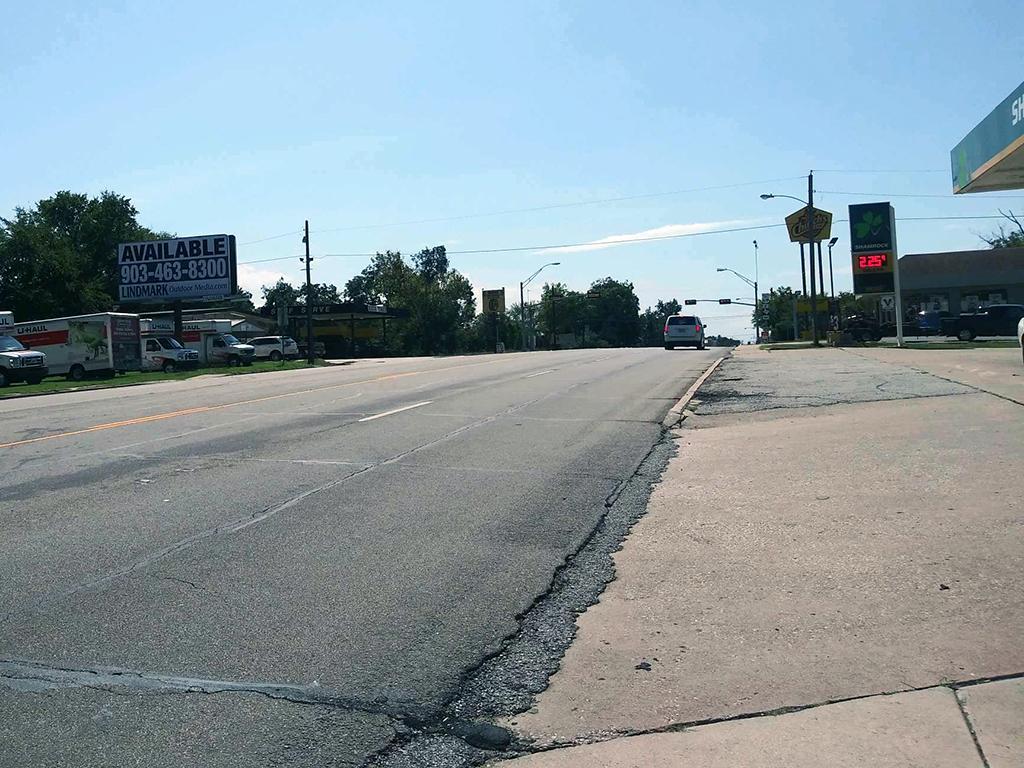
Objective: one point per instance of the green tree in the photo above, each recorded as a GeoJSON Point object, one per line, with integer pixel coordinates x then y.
{"type": "Point", "coordinates": [775, 315]}
{"type": "Point", "coordinates": [439, 300]}
{"type": "Point", "coordinates": [60, 257]}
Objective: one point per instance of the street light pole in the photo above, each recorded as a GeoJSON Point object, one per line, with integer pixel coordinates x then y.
{"type": "Point", "coordinates": [522, 301]}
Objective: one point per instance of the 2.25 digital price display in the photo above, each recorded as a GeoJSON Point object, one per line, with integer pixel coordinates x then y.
{"type": "Point", "coordinates": [872, 262]}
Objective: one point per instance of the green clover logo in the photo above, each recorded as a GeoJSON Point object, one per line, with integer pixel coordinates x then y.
{"type": "Point", "coordinates": [871, 223]}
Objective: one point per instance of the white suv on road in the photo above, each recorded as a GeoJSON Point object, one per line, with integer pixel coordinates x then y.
{"type": "Point", "coordinates": [684, 331]}
{"type": "Point", "coordinates": [275, 347]}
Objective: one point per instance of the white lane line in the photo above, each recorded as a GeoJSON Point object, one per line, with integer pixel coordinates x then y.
{"type": "Point", "coordinates": [530, 376]}
{"type": "Point", "coordinates": [396, 410]}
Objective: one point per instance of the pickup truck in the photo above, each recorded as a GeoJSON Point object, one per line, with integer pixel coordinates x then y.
{"type": "Point", "coordinates": [994, 320]}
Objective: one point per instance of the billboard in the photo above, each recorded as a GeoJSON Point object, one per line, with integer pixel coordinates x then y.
{"type": "Point", "coordinates": [181, 268]}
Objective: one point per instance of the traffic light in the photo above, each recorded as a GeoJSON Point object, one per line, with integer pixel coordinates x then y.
{"type": "Point", "coordinates": [725, 301]}
{"type": "Point", "coordinates": [689, 302]}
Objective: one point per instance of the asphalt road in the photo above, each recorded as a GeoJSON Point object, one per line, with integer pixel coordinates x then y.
{"type": "Point", "coordinates": [294, 568]}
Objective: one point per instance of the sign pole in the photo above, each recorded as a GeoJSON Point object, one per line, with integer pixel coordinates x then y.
{"type": "Point", "coordinates": [810, 242]}
{"type": "Point", "coordinates": [179, 330]}
{"type": "Point", "coordinates": [896, 278]}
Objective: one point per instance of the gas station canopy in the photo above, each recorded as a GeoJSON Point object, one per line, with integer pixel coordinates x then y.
{"type": "Point", "coordinates": [991, 156]}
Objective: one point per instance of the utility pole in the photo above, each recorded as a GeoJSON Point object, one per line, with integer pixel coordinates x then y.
{"type": "Point", "coordinates": [757, 300]}
{"type": "Point", "coordinates": [310, 354]}
{"type": "Point", "coordinates": [810, 241]}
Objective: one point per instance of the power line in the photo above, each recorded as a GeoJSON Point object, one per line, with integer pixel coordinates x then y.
{"type": "Point", "coordinates": [273, 237]}
{"type": "Point", "coordinates": [904, 194]}
{"type": "Point", "coordinates": [920, 170]}
{"type": "Point", "coordinates": [556, 206]}
{"type": "Point", "coordinates": [624, 241]}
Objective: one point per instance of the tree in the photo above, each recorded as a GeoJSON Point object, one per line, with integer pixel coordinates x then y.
{"type": "Point", "coordinates": [439, 300]}
{"type": "Point", "coordinates": [1003, 239]}
{"type": "Point", "coordinates": [775, 314]}
{"type": "Point", "coordinates": [60, 257]}
{"type": "Point", "coordinates": [281, 294]}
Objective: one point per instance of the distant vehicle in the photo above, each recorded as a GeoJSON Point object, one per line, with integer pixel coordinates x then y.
{"type": "Point", "coordinates": [684, 331]}
{"type": "Point", "coordinates": [16, 362]}
{"type": "Point", "coordinates": [1020, 336]}
{"type": "Point", "coordinates": [165, 353]}
{"type": "Point", "coordinates": [929, 322]}
{"type": "Point", "coordinates": [275, 348]}
{"type": "Point", "coordinates": [994, 320]}
{"type": "Point", "coordinates": [319, 349]}
{"type": "Point", "coordinates": [105, 342]}
{"type": "Point", "coordinates": [862, 328]}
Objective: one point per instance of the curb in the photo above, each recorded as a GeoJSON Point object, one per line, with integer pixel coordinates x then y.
{"type": "Point", "coordinates": [676, 413]}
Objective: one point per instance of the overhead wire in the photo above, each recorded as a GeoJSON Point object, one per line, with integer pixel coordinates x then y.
{"type": "Point", "coordinates": [558, 206]}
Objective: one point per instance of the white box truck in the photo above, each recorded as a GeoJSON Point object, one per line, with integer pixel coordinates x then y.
{"type": "Point", "coordinates": [212, 339]}
{"type": "Point", "coordinates": [105, 342]}
{"type": "Point", "coordinates": [16, 362]}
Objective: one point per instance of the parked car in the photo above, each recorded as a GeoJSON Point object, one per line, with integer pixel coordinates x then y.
{"type": "Point", "coordinates": [929, 322]}
{"type": "Point", "coordinates": [275, 348]}
{"type": "Point", "coordinates": [1020, 336]}
{"type": "Point", "coordinates": [319, 349]}
{"type": "Point", "coordinates": [994, 320]}
{"type": "Point", "coordinates": [684, 331]}
{"type": "Point", "coordinates": [862, 328]}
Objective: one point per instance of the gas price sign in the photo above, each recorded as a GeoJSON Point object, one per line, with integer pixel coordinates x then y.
{"type": "Point", "coordinates": [873, 248]}
{"type": "Point", "coordinates": [182, 268]}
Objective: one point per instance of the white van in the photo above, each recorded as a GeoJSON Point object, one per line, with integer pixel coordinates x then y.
{"type": "Point", "coordinates": [16, 362]}
{"type": "Point", "coordinates": [105, 342]}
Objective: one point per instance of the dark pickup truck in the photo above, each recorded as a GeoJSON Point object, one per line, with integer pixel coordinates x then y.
{"type": "Point", "coordinates": [995, 320]}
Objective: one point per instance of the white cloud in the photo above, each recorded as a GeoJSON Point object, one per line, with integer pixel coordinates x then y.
{"type": "Point", "coordinates": [253, 279]}
{"type": "Point", "coordinates": [669, 230]}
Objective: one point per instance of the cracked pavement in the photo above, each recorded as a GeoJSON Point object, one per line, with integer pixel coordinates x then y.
{"type": "Point", "coordinates": [272, 581]}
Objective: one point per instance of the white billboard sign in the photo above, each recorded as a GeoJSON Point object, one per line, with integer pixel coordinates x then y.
{"type": "Point", "coordinates": [181, 268]}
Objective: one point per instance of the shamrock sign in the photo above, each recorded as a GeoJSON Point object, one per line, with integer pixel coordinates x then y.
{"type": "Point", "coordinates": [869, 226]}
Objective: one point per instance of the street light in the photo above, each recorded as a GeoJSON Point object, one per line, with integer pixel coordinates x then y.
{"type": "Point", "coordinates": [745, 279]}
{"type": "Point", "coordinates": [522, 302]}
{"type": "Point", "coordinates": [831, 282]}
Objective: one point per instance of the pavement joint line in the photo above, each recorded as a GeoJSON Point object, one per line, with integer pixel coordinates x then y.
{"type": "Point", "coordinates": [541, 373]}
{"type": "Point", "coordinates": [962, 706]}
{"type": "Point", "coordinates": [525, 747]}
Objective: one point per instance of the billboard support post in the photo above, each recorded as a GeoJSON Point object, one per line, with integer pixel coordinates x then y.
{"type": "Point", "coordinates": [179, 328]}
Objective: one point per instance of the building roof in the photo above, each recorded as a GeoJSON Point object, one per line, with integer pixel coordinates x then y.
{"type": "Point", "coordinates": [989, 267]}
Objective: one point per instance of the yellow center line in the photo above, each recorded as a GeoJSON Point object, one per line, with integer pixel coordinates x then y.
{"type": "Point", "coordinates": [205, 408]}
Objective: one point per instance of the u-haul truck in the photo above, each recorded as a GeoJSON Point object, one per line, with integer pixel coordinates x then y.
{"type": "Point", "coordinates": [212, 339]}
{"type": "Point", "coordinates": [16, 362]}
{"type": "Point", "coordinates": [105, 342]}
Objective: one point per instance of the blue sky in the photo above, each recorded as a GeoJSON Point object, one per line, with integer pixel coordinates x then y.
{"type": "Point", "coordinates": [248, 118]}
